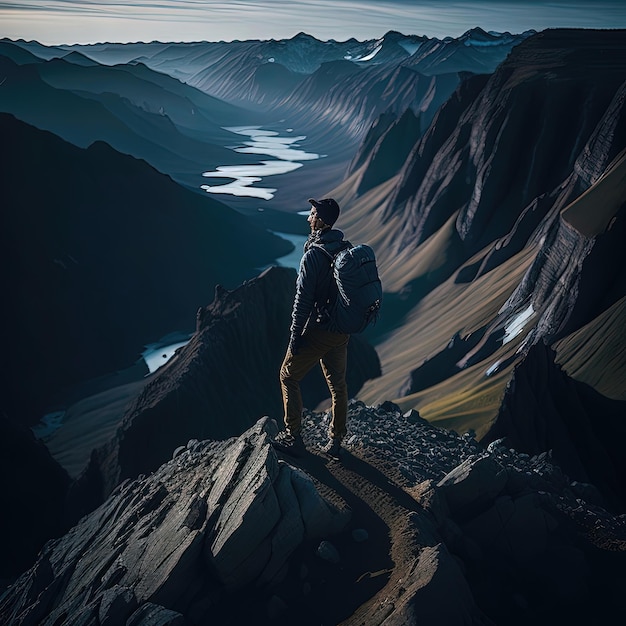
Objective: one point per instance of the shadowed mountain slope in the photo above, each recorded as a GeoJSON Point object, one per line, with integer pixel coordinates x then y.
{"type": "Point", "coordinates": [543, 409]}
{"type": "Point", "coordinates": [101, 254]}
{"type": "Point", "coordinates": [34, 487]}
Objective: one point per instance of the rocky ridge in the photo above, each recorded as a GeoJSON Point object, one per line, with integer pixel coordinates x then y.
{"type": "Point", "coordinates": [476, 535]}
{"type": "Point", "coordinates": [230, 70]}
{"type": "Point", "coordinates": [217, 517]}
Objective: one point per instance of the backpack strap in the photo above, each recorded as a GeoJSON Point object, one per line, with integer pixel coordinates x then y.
{"type": "Point", "coordinates": [330, 255]}
{"type": "Point", "coordinates": [333, 291]}
{"type": "Point", "coordinates": [319, 246]}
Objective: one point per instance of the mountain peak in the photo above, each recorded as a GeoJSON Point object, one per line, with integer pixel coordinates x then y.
{"type": "Point", "coordinates": [302, 36]}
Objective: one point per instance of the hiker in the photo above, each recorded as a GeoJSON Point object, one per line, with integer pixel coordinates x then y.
{"type": "Point", "coordinates": [311, 341]}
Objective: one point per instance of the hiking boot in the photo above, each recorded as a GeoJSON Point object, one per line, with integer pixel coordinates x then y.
{"type": "Point", "coordinates": [333, 448]}
{"type": "Point", "coordinates": [289, 444]}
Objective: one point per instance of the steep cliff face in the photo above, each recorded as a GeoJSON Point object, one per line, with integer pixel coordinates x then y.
{"type": "Point", "coordinates": [578, 273]}
{"type": "Point", "coordinates": [518, 140]}
{"type": "Point", "coordinates": [385, 148]}
{"type": "Point", "coordinates": [219, 384]}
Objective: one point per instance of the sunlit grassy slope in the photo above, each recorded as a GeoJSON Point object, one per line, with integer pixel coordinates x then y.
{"type": "Point", "coordinates": [471, 398]}
{"type": "Point", "coordinates": [596, 354]}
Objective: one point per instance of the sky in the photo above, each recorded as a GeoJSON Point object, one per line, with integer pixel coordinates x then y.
{"type": "Point", "coordinates": [89, 21]}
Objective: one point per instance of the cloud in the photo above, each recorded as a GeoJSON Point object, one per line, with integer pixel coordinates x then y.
{"type": "Point", "coordinates": [85, 21]}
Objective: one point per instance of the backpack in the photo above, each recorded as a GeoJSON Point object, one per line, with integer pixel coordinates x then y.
{"type": "Point", "coordinates": [359, 290]}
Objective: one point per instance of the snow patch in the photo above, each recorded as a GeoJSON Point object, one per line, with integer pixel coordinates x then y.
{"type": "Point", "coordinates": [493, 369]}
{"type": "Point", "coordinates": [371, 55]}
{"type": "Point", "coordinates": [516, 325]}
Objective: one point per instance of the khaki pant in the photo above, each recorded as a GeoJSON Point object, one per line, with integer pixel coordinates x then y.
{"type": "Point", "coordinates": [331, 351]}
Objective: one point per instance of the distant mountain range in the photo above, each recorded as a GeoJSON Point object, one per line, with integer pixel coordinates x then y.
{"type": "Point", "coordinates": [331, 91]}
{"type": "Point", "coordinates": [488, 172]}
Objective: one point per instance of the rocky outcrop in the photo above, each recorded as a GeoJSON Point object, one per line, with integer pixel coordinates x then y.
{"type": "Point", "coordinates": [228, 532]}
{"type": "Point", "coordinates": [535, 545]}
{"type": "Point", "coordinates": [532, 544]}
{"type": "Point", "coordinates": [174, 548]}
{"type": "Point", "coordinates": [217, 385]}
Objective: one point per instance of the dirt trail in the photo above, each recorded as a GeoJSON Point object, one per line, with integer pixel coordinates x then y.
{"type": "Point", "coordinates": [361, 588]}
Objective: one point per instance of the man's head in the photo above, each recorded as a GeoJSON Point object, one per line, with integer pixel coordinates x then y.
{"type": "Point", "coordinates": [325, 211]}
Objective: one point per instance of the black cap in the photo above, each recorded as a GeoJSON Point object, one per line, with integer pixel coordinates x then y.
{"type": "Point", "coordinates": [327, 210]}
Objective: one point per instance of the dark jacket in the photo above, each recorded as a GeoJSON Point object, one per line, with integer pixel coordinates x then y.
{"type": "Point", "coordinates": [315, 286]}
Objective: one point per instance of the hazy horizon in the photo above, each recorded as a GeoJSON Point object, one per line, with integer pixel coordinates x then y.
{"type": "Point", "coordinates": [88, 21]}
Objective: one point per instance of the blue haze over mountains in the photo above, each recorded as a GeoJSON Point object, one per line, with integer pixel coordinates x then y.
{"type": "Point", "coordinates": [488, 172]}
{"type": "Point", "coordinates": [123, 95]}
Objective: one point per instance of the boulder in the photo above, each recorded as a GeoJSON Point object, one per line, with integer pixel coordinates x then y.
{"type": "Point", "coordinates": [473, 483]}
{"type": "Point", "coordinates": [177, 543]}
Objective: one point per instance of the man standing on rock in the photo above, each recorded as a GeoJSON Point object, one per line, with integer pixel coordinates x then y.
{"type": "Point", "coordinates": [311, 340]}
